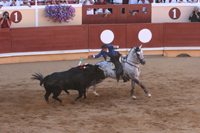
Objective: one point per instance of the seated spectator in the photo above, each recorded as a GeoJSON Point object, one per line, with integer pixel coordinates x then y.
{"type": "Point", "coordinates": [73, 1]}
{"type": "Point", "coordinates": [159, 1]}
{"type": "Point", "coordinates": [89, 2]}
{"type": "Point", "coordinates": [144, 2]}
{"type": "Point", "coordinates": [45, 2]}
{"type": "Point", "coordinates": [25, 3]}
{"type": "Point", "coordinates": [169, 1]}
{"type": "Point", "coordinates": [100, 2]}
{"type": "Point", "coordinates": [5, 3]}
{"type": "Point", "coordinates": [132, 1]}
{"type": "Point", "coordinates": [63, 2]}
{"type": "Point", "coordinates": [105, 12]}
{"type": "Point", "coordinates": [13, 3]}
{"type": "Point", "coordinates": [173, 1]}
{"type": "Point", "coordinates": [54, 2]}
{"type": "Point", "coordinates": [5, 21]}
{"type": "Point", "coordinates": [192, 1]}
{"type": "Point", "coordinates": [194, 17]}
{"type": "Point", "coordinates": [182, 1]}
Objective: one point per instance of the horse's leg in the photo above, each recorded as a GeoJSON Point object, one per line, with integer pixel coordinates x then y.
{"type": "Point", "coordinates": [137, 81]}
{"type": "Point", "coordinates": [94, 90]}
{"type": "Point", "coordinates": [132, 89]}
{"type": "Point", "coordinates": [86, 90]}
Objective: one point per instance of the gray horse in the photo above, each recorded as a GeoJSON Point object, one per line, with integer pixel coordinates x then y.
{"type": "Point", "coordinates": [131, 67]}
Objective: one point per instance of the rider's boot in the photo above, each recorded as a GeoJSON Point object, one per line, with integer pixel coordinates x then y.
{"type": "Point", "coordinates": [118, 77]}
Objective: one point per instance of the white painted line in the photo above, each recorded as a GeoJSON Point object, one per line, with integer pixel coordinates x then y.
{"type": "Point", "coordinates": [181, 48]}
{"type": "Point", "coordinates": [43, 53]}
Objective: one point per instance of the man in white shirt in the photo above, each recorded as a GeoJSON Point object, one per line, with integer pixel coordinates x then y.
{"type": "Point", "coordinates": [5, 3]}
{"type": "Point", "coordinates": [182, 1]}
{"type": "Point", "coordinates": [192, 1]}
{"type": "Point", "coordinates": [144, 2]}
{"type": "Point", "coordinates": [132, 2]}
{"type": "Point", "coordinates": [90, 11]}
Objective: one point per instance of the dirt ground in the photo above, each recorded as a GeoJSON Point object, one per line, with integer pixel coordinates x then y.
{"type": "Point", "coordinates": [174, 84]}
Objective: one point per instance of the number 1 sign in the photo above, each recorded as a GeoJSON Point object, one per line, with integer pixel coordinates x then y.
{"type": "Point", "coordinates": [16, 16]}
{"type": "Point", "coordinates": [174, 13]}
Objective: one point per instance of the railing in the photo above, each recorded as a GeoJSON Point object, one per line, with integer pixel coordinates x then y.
{"type": "Point", "coordinates": [119, 14]}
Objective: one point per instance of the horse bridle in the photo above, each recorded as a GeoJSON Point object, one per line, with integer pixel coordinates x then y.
{"type": "Point", "coordinates": [134, 62]}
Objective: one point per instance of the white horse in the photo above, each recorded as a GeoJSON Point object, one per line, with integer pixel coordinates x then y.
{"type": "Point", "coordinates": [131, 68]}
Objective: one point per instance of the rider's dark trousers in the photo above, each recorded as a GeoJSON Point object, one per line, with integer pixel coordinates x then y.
{"type": "Point", "coordinates": [118, 65]}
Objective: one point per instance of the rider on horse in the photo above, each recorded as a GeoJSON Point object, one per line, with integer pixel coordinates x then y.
{"type": "Point", "coordinates": [109, 50]}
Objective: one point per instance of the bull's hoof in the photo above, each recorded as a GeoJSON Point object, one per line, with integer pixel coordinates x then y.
{"type": "Point", "coordinates": [62, 103]}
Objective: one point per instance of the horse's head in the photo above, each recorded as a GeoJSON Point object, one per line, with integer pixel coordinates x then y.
{"type": "Point", "coordinates": [139, 54]}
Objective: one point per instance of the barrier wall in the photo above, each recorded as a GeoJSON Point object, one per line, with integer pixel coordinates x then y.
{"type": "Point", "coordinates": [181, 38]}
{"type": "Point", "coordinates": [74, 42]}
{"type": "Point", "coordinates": [49, 38]}
{"type": "Point", "coordinates": [5, 41]}
{"type": "Point", "coordinates": [119, 31]}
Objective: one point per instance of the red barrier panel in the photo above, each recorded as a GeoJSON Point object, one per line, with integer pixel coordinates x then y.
{"type": "Point", "coordinates": [95, 31]}
{"type": "Point", "coordinates": [5, 41]}
{"type": "Point", "coordinates": [49, 38]}
{"type": "Point", "coordinates": [181, 34]}
{"type": "Point", "coordinates": [155, 29]}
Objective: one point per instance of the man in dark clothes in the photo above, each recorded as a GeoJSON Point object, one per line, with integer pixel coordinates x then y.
{"type": "Point", "coordinates": [109, 50]}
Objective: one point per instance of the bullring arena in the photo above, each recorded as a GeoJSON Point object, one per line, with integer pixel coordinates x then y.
{"type": "Point", "coordinates": [171, 74]}
{"type": "Point", "coordinates": [174, 105]}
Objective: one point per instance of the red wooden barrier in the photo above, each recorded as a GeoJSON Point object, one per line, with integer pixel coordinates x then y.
{"type": "Point", "coordinates": [88, 37]}
{"type": "Point", "coordinates": [134, 29]}
{"type": "Point", "coordinates": [118, 16]}
{"type": "Point", "coordinates": [49, 38]}
{"type": "Point", "coordinates": [119, 31]}
{"type": "Point", "coordinates": [5, 41]}
{"type": "Point", "coordinates": [181, 34]}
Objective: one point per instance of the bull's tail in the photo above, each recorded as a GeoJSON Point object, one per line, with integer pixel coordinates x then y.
{"type": "Point", "coordinates": [38, 76]}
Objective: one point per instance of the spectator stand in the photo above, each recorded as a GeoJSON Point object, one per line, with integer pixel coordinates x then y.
{"type": "Point", "coordinates": [34, 16]}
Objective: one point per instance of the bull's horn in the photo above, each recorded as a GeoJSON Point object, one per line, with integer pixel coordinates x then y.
{"type": "Point", "coordinates": [140, 46]}
{"type": "Point", "coordinates": [102, 69]}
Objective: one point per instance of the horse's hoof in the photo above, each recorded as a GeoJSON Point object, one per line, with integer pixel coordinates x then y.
{"type": "Point", "coordinates": [134, 97]}
{"type": "Point", "coordinates": [149, 95]}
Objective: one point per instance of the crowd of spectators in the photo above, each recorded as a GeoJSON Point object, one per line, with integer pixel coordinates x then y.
{"type": "Point", "coordinates": [32, 2]}
{"type": "Point", "coordinates": [85, 2]}
{"type": "Point", "coordinates": [176, 1]}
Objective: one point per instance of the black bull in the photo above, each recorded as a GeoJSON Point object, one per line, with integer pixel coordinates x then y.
{"type": "Point", "coordinates": [77, 78]}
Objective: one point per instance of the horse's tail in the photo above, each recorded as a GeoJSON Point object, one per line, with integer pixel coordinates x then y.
{"type": "Point", "coordinates": [38, 76]}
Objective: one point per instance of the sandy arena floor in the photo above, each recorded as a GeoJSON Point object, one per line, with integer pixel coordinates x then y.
{"type": "Point", "coordinates": [174, 84]}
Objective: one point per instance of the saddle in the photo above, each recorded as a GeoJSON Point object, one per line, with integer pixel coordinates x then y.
{"type": "Point", "coordinates": [122, 58]}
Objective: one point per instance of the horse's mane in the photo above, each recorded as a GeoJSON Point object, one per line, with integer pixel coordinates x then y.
{"type": "Point", "coordinates": [130, 51]}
